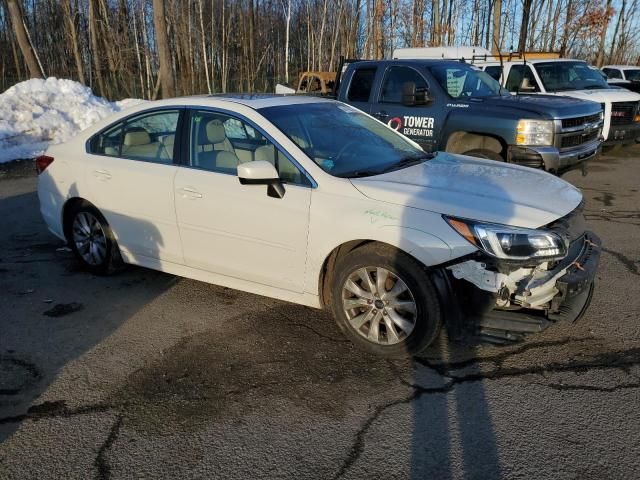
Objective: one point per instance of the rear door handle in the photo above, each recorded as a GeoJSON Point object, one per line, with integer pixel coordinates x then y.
{"type": "Point", "coordinates": [102, 175]}
{"type": "Point", "coordinates": [189, 192]}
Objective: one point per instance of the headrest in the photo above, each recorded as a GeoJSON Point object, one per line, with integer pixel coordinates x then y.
{"type": "Point", "coordinates": [169, 140]}
{"type": "Point", "coordinates": [215, 131]}
{"type": "Point", "coordinates": [266, 152]}
{"type": "Point", "coordinates": [140, 137]}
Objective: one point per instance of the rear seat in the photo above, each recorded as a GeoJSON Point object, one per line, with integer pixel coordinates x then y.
{"type": "Point", "coordinates": [138, 144]}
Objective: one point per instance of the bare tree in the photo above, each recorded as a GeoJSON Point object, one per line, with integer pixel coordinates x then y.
{"type": "Point", "coordinates": [164, 54]}
{"type": "Point", "coordinates": [15, 12]}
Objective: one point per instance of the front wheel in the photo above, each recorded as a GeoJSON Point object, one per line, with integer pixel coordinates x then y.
{"type": "Point", "coordinates": [385, 302]}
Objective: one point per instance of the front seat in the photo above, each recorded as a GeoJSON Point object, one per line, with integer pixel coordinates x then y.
{"type": "Point", "coordinates": [216, 137]}
{"type": "Point", "coordinates": [216, 153]}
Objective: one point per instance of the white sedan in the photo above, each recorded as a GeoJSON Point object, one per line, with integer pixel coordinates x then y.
{"type": "Point", "coordinates": [314, 202]}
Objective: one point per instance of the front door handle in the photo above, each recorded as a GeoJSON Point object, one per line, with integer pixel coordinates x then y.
{"type": "Point", "coordinates": [102, 175]}
{"type": "Point", "coordinates": [381, 115]}
{"type": "Point", "coordinates": [189, 192]}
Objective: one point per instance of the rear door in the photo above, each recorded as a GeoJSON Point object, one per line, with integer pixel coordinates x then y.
{"type": "Point", "coordinates": [129, 172]}
{"type": "Point", "coordinates": [360, 87]}
{"type": "Point", "coordinates": [416, 122]}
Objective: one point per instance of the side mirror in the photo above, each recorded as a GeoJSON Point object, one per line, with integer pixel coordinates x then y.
{"type": "Point", "coordinates": [412, 96]}
{"type": "Point", "coordinates": [261, 172]}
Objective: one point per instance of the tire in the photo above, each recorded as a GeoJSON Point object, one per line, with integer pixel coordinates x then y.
{"type": "Point", "coordinates": [487, 154]}
{"type": "Point", "coordinates": [402, 330]}
{"type": "Point", "coordinates": [92, 241]}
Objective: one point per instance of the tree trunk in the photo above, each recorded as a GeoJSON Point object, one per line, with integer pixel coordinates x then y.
{"type": "Point", "coordinates": [524, 26]}
{"type": "Point", "coordinates": [15, 12]}
{"type": "Point", "coordinates": [497, 11]}
{"type": "Point", "coordinates": [73, 35]}
{"type": "Point", "coordinates": [95, 50]}
{"type": "Point", "coordinates": [603, 36]}
{"type": "Point", "coordinates": [164, 54]}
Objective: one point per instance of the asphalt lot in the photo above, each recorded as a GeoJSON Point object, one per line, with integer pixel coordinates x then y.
{"type": "Point", "coordinates": [147, 375]}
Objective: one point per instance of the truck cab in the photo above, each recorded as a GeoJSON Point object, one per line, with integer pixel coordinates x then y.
{"type": "Point", "coordinates": [625, 76]}
{"type": "Point", "coordinates": [574, 78]}
{"type": "Point", "coordinates": [454, 107]}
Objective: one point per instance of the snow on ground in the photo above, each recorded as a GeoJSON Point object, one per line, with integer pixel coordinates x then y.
{"type": "Point", "coordinates": [38, 112]}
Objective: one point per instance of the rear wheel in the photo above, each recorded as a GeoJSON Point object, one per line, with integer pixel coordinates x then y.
{"type": "Point", "coordinates": [385, 302]}
{"type": "Point", "coordinates": [483, 153]}
{"type": "Point", "coordinates": [92, 241]}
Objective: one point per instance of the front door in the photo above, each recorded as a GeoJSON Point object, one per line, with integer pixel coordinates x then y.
{"type": "Point", "coordinates": [238, 230]}
{"type": "Point", "coordinates": [417, 122]}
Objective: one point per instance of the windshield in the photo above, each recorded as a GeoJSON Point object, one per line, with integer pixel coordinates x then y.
{"type": "Point", "coordinates": [462, 82]}
{"type": "Point", "coordinates": [564, 76]}
{"type": "Point", "coordinates": [343, 141]}
{"type": "Point", "coordinates": [633, 75]}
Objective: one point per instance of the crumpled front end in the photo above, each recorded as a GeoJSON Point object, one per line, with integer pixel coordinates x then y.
{"type": "Point", "coordinates": [506, 300]}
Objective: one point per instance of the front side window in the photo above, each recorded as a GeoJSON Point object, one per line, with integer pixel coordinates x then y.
{"type": "Point", "coordinates": [632, 75]}
{"type": "Point", "coordinates": [394, 81]}
{"type": "Point", "coordinates": [343, 141]}
{"type": "Point", "coordinates": [462, 82]}
{"type": "Point", "coordinates": [521, 79]}
{"type": "Point", "coordinates": [108, 142]}
{"type": "Point", "coordinates": [361, 84]}
{"type": "Point", "coordinates": [219, 143]}
{"type": "Point", "coordinates": [568, 75]}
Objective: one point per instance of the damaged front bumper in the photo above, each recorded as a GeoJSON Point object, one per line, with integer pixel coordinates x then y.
{"type": "Point", "coordinates": [506, 306]}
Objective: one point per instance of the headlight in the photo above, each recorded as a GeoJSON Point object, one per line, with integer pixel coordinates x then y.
{"type": "Point", "coordinates": [510, 243]}
{"type": "Point", "coordinates": [535, 132]}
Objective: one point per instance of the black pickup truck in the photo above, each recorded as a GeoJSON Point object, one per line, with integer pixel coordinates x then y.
{"type": "Point", "coordinates": [452, 106]}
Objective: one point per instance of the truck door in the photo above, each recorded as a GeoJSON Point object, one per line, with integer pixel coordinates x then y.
{"type": "Point", "coordinates": [361, 88]}
{"type": "Point", "coordinates": [417, 122]}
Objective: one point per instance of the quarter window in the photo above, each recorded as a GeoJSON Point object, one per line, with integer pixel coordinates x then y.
{"type": "Point", "coordinates": [361, 84]}
{"type": "Point", "coordinates": [394, 81]}
{"type": "Point", "coordinates": [219, 143]}
{"type": "Point", "coordinates": [494, 72]}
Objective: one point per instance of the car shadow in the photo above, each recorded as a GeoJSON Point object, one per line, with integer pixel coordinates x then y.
{"type": "Point", "coordinates": [53, 312]}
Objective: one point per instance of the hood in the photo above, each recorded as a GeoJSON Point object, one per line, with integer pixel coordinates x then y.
{"type": "Point", "coordinates": [543, 105]}
{"type": "Point", "coordinates": [476, 189]}
{"type": "Point", "coordinates": [601, 96]}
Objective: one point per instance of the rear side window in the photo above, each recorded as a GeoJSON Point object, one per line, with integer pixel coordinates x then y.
{"type": "Point", "coordinates": [494, 72]}
{"type": "Point", "coordinates": [361, 84]}
{"type": "Point", "coordinates": [613, 73]}
{"type": "Point", "coordinates": [148, 136]}
{"type": "Point", "coordinates": [394, 81]}
{"type": "Point", "coordinates": [521, 79]}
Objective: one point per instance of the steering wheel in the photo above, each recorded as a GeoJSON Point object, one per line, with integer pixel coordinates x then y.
{"type": "Point", "coordinates": [344, 149]}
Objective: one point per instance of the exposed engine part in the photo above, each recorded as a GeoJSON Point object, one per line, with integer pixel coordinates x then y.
{"type": "Point", "coordinates": [530, 287]}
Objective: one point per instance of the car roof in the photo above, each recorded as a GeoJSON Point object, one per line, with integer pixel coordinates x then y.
{"type": "Point", "coordinates": [622, 66]}
{"type": "Point", "coordinates": [251, 100]}
{"type": "Point", "coordinates": [411, 61]}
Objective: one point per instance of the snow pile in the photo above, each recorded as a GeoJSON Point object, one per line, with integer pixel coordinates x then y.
{"type": "Point", "coordinates": [38, 112]}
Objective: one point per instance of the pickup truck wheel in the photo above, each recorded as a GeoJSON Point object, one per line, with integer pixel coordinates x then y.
{"type": "Point", "coordinates": [385, 302]}
{"type": "Point", "coordinates": [482, 153]}
{"type": "Point", "coordinates": [92, 241]}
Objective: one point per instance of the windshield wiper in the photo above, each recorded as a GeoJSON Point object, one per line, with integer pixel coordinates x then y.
{"type": "Point", "coordinates": [594, 87]}
{"type": "Point", "coordinates": [407, 162]}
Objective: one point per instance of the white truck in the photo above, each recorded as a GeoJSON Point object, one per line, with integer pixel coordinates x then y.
{"type": "Point", "coordinates": [625, 76]}
{"type": "Point", "coordinates": [553, 76]}
{"type": "Point", "coordinates": [574, 78]}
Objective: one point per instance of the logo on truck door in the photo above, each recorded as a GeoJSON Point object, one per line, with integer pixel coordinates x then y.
{"type": "Point", "coordinates": [413, 126]}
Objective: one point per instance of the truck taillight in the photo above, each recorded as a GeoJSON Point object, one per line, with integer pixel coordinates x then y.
{"type": "Point", "coordinates": [42, 162]}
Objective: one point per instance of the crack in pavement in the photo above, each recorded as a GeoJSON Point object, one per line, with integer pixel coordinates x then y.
{"type": "Point", "coordinates": [626, 261]}
{"type": "Point", "coordinates": [589, 388]}
{"type": "Point", "coordinates": [56, 409]}
{"type": "Point", "coordinates": [625, 359]}
{"type": "Point", "coordinates": [101, 463]}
